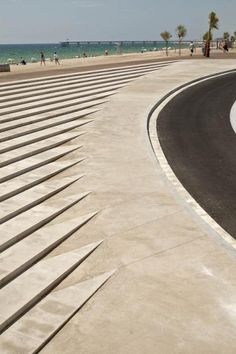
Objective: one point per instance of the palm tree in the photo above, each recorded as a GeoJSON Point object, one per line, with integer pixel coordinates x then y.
{"type": "Point", "coordinates": [166, 36]}
{"type": "Point", "coordinates": [226, 36]}
{"type": "Point", "coordinates": [206, 36]}
{"type": "Point", "coordinates": [213, 24]}
{"type": "Point", "coordinates": [181, 33]}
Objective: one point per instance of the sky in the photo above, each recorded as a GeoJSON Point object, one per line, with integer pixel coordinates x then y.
{"type": "Point", "coordinates": [51, 21]}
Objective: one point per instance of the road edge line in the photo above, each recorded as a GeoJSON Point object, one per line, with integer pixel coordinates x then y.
{"type": "Point", "coordinates": [181, 194]}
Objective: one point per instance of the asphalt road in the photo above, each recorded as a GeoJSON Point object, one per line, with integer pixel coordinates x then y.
{"type": "Point", "coordinates": [200, 145]}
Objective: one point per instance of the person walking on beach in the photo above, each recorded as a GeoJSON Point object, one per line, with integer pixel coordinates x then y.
{"type": "Point", "coordinates": [191, 48]}
{"type": "Point", "coordinates": [22, 61]}
{"type": "Point", "coordinates": [42, 58]}
{"type": "Point", "coordinates": [56, 59]}
{"type": "Point", "coordinates": [225, 47]}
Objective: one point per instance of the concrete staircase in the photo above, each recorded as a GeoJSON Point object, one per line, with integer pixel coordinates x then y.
{"type": "Point", "coordinates": [41, 122]}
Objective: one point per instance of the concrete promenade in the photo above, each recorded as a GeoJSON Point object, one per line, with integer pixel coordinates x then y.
{"type": "Point", "coordinates": [173, 289]}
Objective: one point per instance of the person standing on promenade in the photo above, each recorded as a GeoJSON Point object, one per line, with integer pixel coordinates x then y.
{"type": "Point", "coordinates": [42, 58]}
{"type": "Point", "coordinates": [191, 48]}
{"type": "Point", "coordinates": [225, 47]}
{"type": "Point", "coordinates": [56, 59]}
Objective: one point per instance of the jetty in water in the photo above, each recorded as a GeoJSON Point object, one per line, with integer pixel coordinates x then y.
{"type": "Point", "coordinates": [78, 43]}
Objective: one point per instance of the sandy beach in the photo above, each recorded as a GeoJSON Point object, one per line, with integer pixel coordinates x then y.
{"type": "Point", "coordinates": [32, 70]}
{"type": "Point", "coordinates": [99, 60]}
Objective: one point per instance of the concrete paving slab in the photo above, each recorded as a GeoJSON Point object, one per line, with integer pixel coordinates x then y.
{"type": "Point", "coordinates": [31, 163]}
{"type": "Point", "coordinates": [92, 73]}
{"type": "Point", "coordinates": [173, 312]}
{"type": "Point", "coordinates": [35, 130]}
{"type": "Point", "coordinates": [41, 323]}
{"type": "Point", "coordinates": [33, 111]}
{"type": "Point", "coordinates": [21, 152]}
{"type": "Point", "coordinates": [33, 219]}
{"type": "Point", "coordinates": [174, 290]}
{"type": "Point", "coordinates": [24, 254]}
{"type": "Point", "coordinates": [28, 180]}
{"type": "Point", "coordinates": [55, 114]}
{"type": "Point", "coordinates": [38, 281]}
{"type": "Point", "coordinates": [42, 106]}
{"type": "Point", "coordinates": [30, 198]}
{"type": "Point", "coordinates": [174, 282]}
{"type": "Point", "coordinates": [21, 98]}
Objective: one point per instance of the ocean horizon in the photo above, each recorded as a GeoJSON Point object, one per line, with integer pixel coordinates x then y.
{"type": "Point", "coordinates": [32, 51]}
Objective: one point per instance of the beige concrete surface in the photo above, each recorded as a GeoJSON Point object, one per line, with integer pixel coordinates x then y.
{"type": "Point", "coordinates": [174, 290]}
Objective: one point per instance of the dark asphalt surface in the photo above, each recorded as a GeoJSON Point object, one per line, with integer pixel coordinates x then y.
{"type": "Point", "coordinates": [200, 145]}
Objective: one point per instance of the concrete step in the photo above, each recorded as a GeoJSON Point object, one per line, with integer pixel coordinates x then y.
{"type": "Point", "coordinates": [32, 197]}
{"type": "Point", "coordinates": [66, 98]}
{"type": "Point", "coordinates": [60, 78]}
{"type": "Point", "coordinates": [61, 92]}
{"type": "Point", "coordinates": [23, 225]}
{"type": "Point", "coordinates": [82, 117]}
{"type": "Point", "coordinates": [81, 109]}
{"type": "Point", "coordinates": [56, 89]}
{"type": "Point", "coordinates": [31, 163]}
{"type": "Point", "coordinates": [23, 152]}
{"type": "Point", "coordinates": [39, 280]}
{"type": "Point", "coordinates": [33, 178]}
{"type": "Point", "coordinates": [56, 106]}
{"type": "Point", "coordinates": [46, 80]}
{"type": "Point", "coordinates": [38, 326]}
{"type": "Point", "coordinates": [41, 134]}
{"type": "Point", "coordinates": [18, 258]}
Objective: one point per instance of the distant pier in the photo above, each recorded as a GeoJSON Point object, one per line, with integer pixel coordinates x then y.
{"type": "Point", "coordinates": [79, 43]}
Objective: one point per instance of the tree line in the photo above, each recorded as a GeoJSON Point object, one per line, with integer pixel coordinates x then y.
{"type": "Point", "coordinates": [181, 32]}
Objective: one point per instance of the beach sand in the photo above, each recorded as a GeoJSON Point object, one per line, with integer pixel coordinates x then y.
{"type": "Point", "coordinates": [97, 61]}
{"type": "Point", "coordinates": [33, 70]}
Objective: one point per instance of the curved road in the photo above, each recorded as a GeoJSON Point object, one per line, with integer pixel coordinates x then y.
{"type": "Point", "coordinates": [200, 145]}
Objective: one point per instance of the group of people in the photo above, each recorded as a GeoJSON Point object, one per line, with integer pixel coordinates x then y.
{"type": "Point", "coordinates": [224, 46]}
{"type": "Point", "coordinates": [43, 59]}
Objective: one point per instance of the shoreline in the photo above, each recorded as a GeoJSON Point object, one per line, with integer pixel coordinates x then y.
{"type": "Point", "coordinates": [98, 60]}
{"type": "Point", "coordinates": [33, 70]}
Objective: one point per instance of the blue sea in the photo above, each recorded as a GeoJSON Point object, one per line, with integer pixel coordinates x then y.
{"type": "Point", "coordinates": [29, 51]}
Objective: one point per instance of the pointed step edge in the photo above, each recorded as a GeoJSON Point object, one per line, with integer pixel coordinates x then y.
{"type": "Point", "coordinates": [49, 237]}
{"type": "Point", "coordinates": [37, 327]}
{"type": "Point", "coordinates": [63, 84]}
{"type": "Point", "coordinates": [40, 150]}
{"type": "Point", "coordinates": [40, 164]}
{"type": "Point", "coordinates": [57, 88]}
{"type": "Point", "coordinates": [63, 92]}
{"type": "Point", "coordinates": [43, 106]}
{"type": "Point", "coordinates": [40, 280]}
{"type": "Point", "coordinates": [81, 75]}
{"type": "Point", "coordinates": [34, 115]}
{"type": "Point", "coordinates": [64, 183]}
{"type": "Point", "coordinates": [52, 119]}
{"type": "Point", "coordinates": [18, 135]}
{"type": "Point", "coordinates": [36, 182]}
{"type": "Point", "coordinates": [8, 242]}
